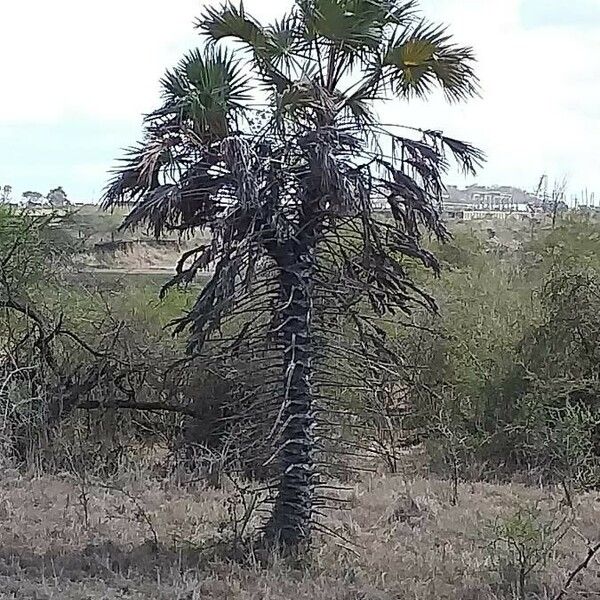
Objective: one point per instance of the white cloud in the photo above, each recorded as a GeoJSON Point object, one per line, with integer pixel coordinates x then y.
{"type": "Point", "coordinates": [66, 60]}
{"type": "Point", "coordinates": [100, 59]}
{"type": "Point", "coordinates": [539, 111]}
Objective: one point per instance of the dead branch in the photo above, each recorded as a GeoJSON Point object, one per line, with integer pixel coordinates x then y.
{"type": "Point", "coordinates": [592, 551]}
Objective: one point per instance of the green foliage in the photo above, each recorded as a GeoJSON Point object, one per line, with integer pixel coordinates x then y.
{"type": "Point", "coordinates": [206, 89]}
{"type": "Point", "coordinates": [522, 543]}
{"type": "Point", "coordinates": [67, 340]}
{"type": "Point", "coordinates": [31, 248]}
{"type": "Point", "coordinates": [483, 313]}
{"type": "Point", "coordinates": [462, 251]}
{"type": "Point", "coordinates": [426, 56]}
{"type": "Point", "coordinates": [562, 442]}
{"type": "Point", "coordinates": [505, 379]}
{"type": "Point", "coordinates": [574, 243]}
{"type": "Point", "coordinates": [513, 362]}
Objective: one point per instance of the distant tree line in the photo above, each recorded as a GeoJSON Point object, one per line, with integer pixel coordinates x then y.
{"type": "Point", "coordinates": [56, 197]}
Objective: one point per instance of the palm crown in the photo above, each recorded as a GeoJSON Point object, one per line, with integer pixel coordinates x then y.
{"type": "Point", "coordinates": [268, 137]}
{"type": "Point", "coordinates": [327, 62]}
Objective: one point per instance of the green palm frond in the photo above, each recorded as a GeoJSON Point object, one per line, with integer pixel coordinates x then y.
{"type": "Point", "coordinates": [357, 108]}
{"type": "Point", "coordinates": [345, 33]}
{"type": "Point", "coordinates": [274, 42]}
{"type": "Point", "coordinates": [357, 24]}
{"type": "Point", "coordinates": [268, 46]}
{"type": "Point", "coordinates": [230, 21]}
{"type": "Point", "coordinates": [401, 12]}
{"type": "Point", "coordinates": [361, 111]}
{"type": "Point", "coordinates": [285, 44]}
{"type": "Point", "coordinates": [421, 58]}
{"type": "Point", "coordinates": [207, 88]}
{"type": "Point", "coordinates": [354, 24]}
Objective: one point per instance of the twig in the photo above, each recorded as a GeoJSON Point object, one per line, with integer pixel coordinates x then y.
{"type": "Point", "coordinates": [141, 512]}
{"type": "Point", "coordinates": [580, 567]}
{"type": "Point", "coordinates": [143, 406]}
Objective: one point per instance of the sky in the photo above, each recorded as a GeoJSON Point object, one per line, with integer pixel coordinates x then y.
{"type": "Point", "coordinates": [78, 76]}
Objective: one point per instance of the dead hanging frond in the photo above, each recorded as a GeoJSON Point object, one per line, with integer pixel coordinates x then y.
{"type": "Point", "coordinates": [468, 157]}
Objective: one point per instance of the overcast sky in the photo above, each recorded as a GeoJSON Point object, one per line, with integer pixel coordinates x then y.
{"type": "Point", "coordinates": [77, 76]}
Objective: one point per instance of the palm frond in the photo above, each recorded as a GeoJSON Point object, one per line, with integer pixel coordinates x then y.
{"type": "Point", "coordinates": [401, 12]}
{"type": "Point", "coordinates": [417, 59]}
{"type": "Point", "coordinates": [286, 46]}
{"type": "Point", "coordinates": [468, 157]}
{"type": "Point", "coordinates": [124, 185]}
{"type": "Point", "coordinates": [156, 209]}
{"type": "Point", "coordinates": [139, 171]}
{"type": "Point", "coordinates": [361, 111]}
{"type": "Point", "coordinates": [355, 24]}
{"type": "Point", "coordinates": [268, 46]}
{"type": "Point", "coordinates": [207, 88]}
{"type": "Point", "coordinates": [230, 21]}
{"type": "Point", "coordinates": [295, 98]}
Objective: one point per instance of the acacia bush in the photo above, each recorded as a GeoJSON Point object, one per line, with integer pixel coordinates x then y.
{"type": "Point", "coordinates": [79, 354]}
{"type": "Point", "coordinates": [513, 362]}
{"type": "Point", "coordinates": [504, 380]}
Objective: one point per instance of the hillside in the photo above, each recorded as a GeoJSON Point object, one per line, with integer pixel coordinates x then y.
{"type": "Point", "coordinates": [104, 247]}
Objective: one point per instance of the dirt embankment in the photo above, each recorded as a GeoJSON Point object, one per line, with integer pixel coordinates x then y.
{"type": "Point", "coordinates": [135, 256]}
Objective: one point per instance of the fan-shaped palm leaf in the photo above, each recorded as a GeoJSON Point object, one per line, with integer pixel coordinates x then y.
{"type": "Point", "coordinates": [267, 46]}
{"type": "Point", "coordinates": [354, 24]}
{"type": "Point", "coordinates": [229, 21]}
{"type": "Point", "coordinates": [417, 59]}
{"type": "Point", "coordinates": [286, 44]}
{"type": "Point", "coordinates": [208, 88]}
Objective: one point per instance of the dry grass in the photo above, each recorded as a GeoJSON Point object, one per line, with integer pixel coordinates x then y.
{"type": "Point", "coordinates": [405, 541]}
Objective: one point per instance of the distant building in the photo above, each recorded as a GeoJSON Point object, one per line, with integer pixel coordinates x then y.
{"type": "Point", "coordinates": [481, 202]}
{"type": "Point", "coordinates": [380, 204]}
{"type": "Point", "coordinates": [589, 210]}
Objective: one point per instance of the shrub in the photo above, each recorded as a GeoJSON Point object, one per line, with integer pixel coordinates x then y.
{"type": "Point", "coordinates": [513, 362]}
{"type": "Point", "coordinates": [522, 544]}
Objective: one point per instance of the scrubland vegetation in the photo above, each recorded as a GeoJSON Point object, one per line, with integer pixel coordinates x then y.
{"type": "Point", "coordinates": [476, 479]}
{"type": "Point", "coordinates": [332, 397]}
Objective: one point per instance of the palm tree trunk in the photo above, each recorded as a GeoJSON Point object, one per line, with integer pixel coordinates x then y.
{"type": "Point", "coordinates": [290, 521]}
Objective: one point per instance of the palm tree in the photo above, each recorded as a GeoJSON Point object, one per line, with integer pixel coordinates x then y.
{"type": "Point", "coordinates": [272, 144]}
